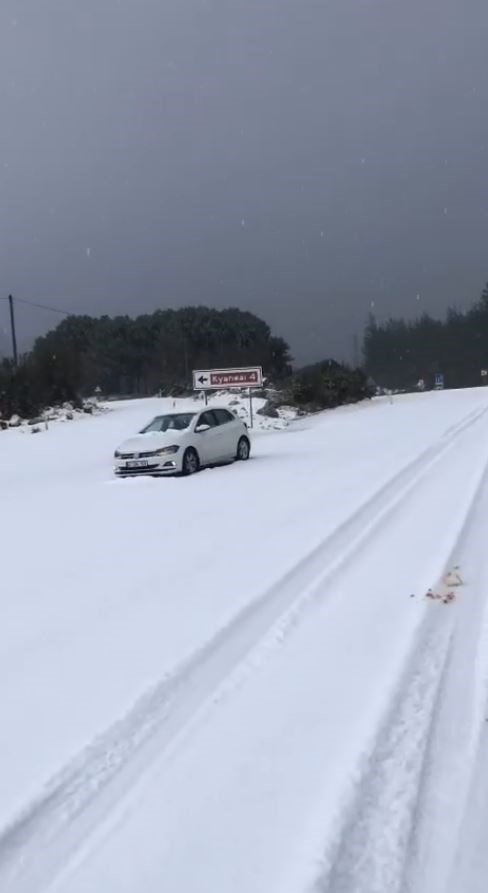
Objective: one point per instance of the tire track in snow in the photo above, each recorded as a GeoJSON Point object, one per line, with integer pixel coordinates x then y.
{"type": "Point", "coordinates": [443, 843]}
{"type": "Point", "coordinates": [372, 851]}
{"type": "Point", "coordinates": [34, 846]}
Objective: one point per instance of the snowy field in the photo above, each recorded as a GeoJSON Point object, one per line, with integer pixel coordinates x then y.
{"type": "Point", "coordinates": [268, 678]}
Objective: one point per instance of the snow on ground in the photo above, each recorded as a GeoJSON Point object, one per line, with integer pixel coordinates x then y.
{"type": "Point", "coordinates": [236, 400]}
{"type": "Point", "coordinates": [237, 681]}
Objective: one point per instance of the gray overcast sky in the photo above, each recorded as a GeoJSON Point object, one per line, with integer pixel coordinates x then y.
{"type": "Point", "coordinates": [299, 158]}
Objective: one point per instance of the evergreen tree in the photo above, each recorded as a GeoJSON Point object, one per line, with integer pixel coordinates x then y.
{"type": "Point", "coordinates": [397, 354]}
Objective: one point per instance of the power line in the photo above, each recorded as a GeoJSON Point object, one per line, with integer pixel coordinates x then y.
{"type": "Point", "coordinates": [12, 301]}
{"type": "Point", "coordinates": [40, 306]}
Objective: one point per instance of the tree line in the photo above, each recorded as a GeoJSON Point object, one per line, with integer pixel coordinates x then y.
{"type": "Point", "coordinates": [137, 356]}
{"type": "Point", "coordinates": [124, 356]}
{"type": "Point", "coordinates": [399, 354]}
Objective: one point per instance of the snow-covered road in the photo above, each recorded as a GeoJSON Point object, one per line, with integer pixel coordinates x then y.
{"type": "Point", "coordinates": [236, 681]}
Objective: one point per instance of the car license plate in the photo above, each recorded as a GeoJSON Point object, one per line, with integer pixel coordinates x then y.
{"type": "Point", "coordinates": [137, 463]}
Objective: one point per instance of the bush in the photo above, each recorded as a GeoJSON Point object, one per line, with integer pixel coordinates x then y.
{"type": "Point", "coordinates": [25, 391]}
{"type": "Point", "coordinates": [326, 385]}
{"type": "Point", "coordinates": [17, 395]}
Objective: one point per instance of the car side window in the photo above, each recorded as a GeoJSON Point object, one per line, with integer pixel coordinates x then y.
{"type": "Point", "coordinates": [223, 416]}
{"type": "Point", "coordinates": [208, 418]}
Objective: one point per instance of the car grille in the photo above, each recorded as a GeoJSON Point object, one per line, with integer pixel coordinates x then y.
{"type": "Point", "coordinates": [133, 471]}
{"type": "Point", "coordinates": [135, 455]}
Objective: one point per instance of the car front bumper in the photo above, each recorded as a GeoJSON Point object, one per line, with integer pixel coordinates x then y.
{"type": "Point", "coordinates": [155, 466]}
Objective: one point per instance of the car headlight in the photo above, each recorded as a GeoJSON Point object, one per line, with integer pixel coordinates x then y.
{"type": "Point", "coordinates": [117, 454]}
{"type": "Point", "coordinates": [167, 451]}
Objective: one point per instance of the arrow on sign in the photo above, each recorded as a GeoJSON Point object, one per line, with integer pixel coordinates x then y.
{"type": "Point", "coordinates": [203, 379]}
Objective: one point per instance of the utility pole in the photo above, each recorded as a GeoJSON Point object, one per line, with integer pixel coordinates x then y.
{"type": "Point", "coordinates": [355, 351]}
{"type": "Point", "coordinates": [12, 329]}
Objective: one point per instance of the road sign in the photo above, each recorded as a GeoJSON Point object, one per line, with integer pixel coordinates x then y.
{"type": "Point", "coordinates": [221, 379]}
{"type": "Point", "coordinates": [439, 381]}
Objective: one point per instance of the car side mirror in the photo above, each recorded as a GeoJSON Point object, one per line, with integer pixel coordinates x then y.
{"type": "Point", "coordinates": [200, 429]}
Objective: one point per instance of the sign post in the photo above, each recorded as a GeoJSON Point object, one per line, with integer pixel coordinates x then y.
{"type": "Point", "coordinates": [248, 377]}
{"type": "Point", "coordinates": [439, 381]}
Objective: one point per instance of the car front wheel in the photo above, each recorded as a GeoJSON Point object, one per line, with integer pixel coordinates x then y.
{"type": "Point", "coordinates": [191, 462]}
{"type": "Point", "coordinates": [243, 450]}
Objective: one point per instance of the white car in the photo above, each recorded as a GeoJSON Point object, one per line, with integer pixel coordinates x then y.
{"type": "Point", "coordinates": [184, 442]}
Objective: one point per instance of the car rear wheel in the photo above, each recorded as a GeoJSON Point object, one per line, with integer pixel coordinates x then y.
{"type": "Point", "coordinates": [243, 450]}
{"type": "Point", "coordinates": [191, 462]}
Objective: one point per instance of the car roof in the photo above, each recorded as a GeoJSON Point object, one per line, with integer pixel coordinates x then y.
{"type": "Point", "coordinates": [192, 412]}
{"type": "Point", "coordinates": [164, 415]}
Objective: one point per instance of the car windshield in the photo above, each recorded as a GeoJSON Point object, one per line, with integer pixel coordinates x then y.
{"type": "Point", "coordinates": [174, 422]}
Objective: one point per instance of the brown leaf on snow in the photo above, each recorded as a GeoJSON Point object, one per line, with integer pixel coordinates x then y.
{"type": "Point", "coordinates": [449, 597]}
{"type": "Point", "coordinates": [445, 597]}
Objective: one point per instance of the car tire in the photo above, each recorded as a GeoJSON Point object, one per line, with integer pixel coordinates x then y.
{"type": "Point", "coordinates": [243, 450]}
{"type": "Point", "coordinates": [190, 463]}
